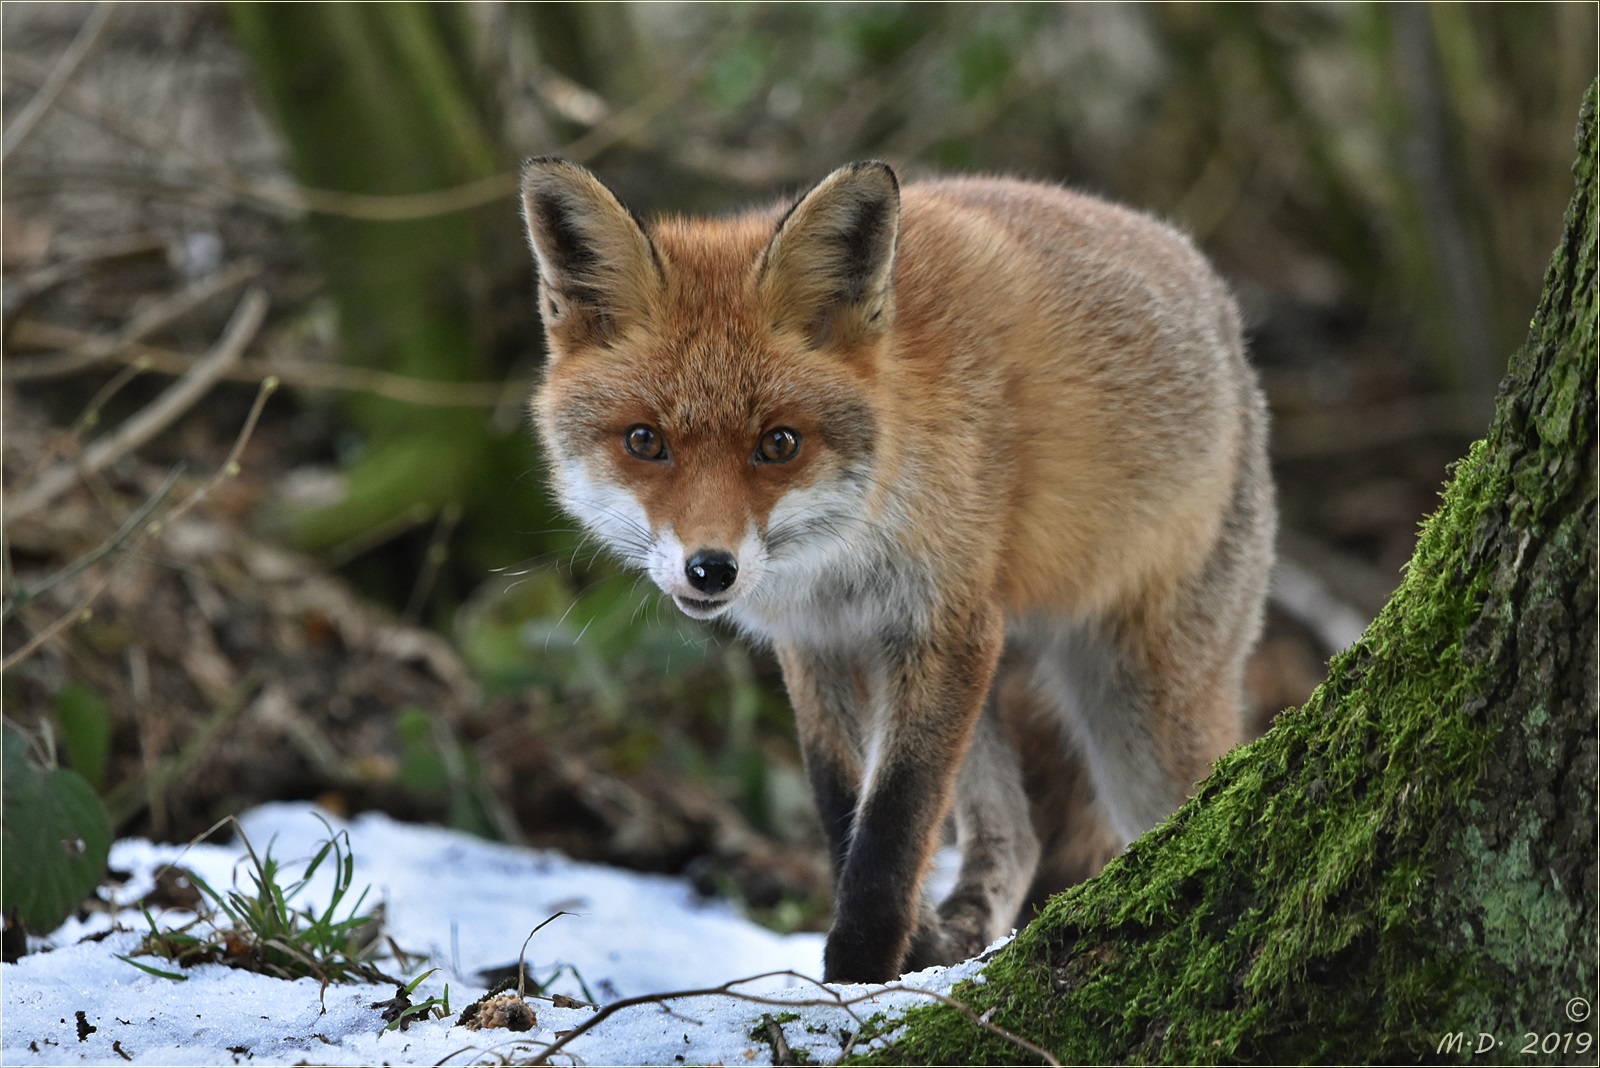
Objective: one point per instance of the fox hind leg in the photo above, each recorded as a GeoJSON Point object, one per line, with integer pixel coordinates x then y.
{"type": "Point", "coordinates": [995, 836]}
{"type": "Point", "coordinates": [1075, 837]}
{"type": "Point", "coordinates": [1154, 692]}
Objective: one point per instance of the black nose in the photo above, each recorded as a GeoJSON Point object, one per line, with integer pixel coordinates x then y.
{"type": "Point", "coordinates": [711, 571]}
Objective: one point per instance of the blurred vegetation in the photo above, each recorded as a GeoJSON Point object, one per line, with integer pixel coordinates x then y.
{"type": "Point", "coordinates": [1404, 164]}
{"type": "Point", "coordinates": [1382, 184]}
{"type": "Point", "coordinates": [373, 99]}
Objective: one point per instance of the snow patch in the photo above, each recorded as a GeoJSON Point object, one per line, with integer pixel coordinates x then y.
{"type": "Point", "coordinates": [466, 904]}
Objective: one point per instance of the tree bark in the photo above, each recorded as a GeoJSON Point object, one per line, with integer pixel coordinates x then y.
{"type": "Point", "coordinates": [375, 99]}
{"type": "Point", "coordinates": [1404, 868]}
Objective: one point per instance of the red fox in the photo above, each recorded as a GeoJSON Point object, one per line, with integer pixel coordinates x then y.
{"type": "Point", "coordinates": [982, 461]}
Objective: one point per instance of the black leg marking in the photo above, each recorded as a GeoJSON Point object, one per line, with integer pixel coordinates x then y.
{"type": "Point", "coordinates": [876, 907]}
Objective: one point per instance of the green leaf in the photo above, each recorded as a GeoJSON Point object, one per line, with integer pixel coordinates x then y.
{"type": "Point", "coordinates": [86, 729]}
{"type": "Point", "coordinates": [56, 838]}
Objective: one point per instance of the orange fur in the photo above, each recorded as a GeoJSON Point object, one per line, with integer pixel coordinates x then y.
{"type": "Point", "coordinates": [1024, 434]}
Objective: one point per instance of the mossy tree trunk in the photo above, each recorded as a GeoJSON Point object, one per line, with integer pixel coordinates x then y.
{"type": "Point", "coordinates": [377, 99]}
{"type": "Point", "coordinates": [1408, 858]}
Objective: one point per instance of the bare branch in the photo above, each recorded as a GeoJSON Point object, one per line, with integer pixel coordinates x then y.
{"type": "Point", "coordinates": [24, 291]}
{"type": "Point", "coordinates": [229, 468]}
{"type": "Point", "coordinates": [67, 66]}
{"type": "Point", "coordinates": [781, 1053]}
{"type": "Point", "coordinates": [624, 124]}
{"type": "Point", "coordinates": [833, 1000]}
{"type": "Point", "coordinates": [300, 373]}
{"type": "Point", "coordinates": [1301, 594]}
{"type": "Point", "coordinates": [150, 421]}
{"type": "Point", "coordinates": [437, 554]}
{"type": "Point", "coordinates": [116, 542]}
{"type": "Point", "coordinates": [93, 348]}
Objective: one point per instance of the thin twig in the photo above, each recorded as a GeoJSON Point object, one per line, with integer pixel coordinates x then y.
{"type": "Point", "coordinates": [781, 1053]}
{"type": "Point", "coordinates": [437, 553]}
{"type": "Point", "coordinates": [77, 614]}
{"type": "Point", "coordinates": [66, 67]}
{"type": "Point", "coordinates": [62, 444]}
{"type": "Point", "coordinates": [97, 403]}
{"type": "Point", "coordinates": [394, 207]}
{"type": "Point", "coordinates": [834, 1001]}
{"type": "Point", "coordinates": [93, 348]}
{"type": "Point", "coordinates": [416, 514]}
{"type": "Point", "coordinates": [230, 466]}
{"type": "Point", "coordinates": [87, 105]}
{"type": "Point", "coordinates": [150, 421]}
{"type": "Point", "coordinates": [629, 122]}
{"type": "Point", "coordinates": [229, 469]}
{"type": "Point", "coordinates": [21, 293]}
{"type": "Point", "coordinates": [8, 576]}
{"type": "Point", "coordinates": [112, 544]}
{"type": "Point", "coordinates": [300, 373]}
{"type": "Point", "coordinates": [132, 795]}
{"type": "Point", "coordinates": [276, 193]}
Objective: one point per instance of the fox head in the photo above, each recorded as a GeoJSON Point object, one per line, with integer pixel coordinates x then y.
{"type": "Point", "coordinates": [708, 409]}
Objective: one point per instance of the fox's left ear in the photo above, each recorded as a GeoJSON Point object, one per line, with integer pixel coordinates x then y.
{"type": "Point", "coordinates": [598, 270]}
{"type": "Point", "coordinates": [829, 268]}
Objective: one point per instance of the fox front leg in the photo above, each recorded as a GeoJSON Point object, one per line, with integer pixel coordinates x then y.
{"type": "Point", "coordinates": [933, 695]}
{"type": "Point", "coordinates": [828, 691]}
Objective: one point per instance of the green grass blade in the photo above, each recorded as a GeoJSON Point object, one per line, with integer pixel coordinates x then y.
{"type": "Point", "coordinates": [153, 971]}
{"type": "Point", "coordinates": [411, 986]}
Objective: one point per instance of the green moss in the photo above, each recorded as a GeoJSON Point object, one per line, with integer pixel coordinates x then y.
{"type": "Point", "coordinates": [1200, 942]}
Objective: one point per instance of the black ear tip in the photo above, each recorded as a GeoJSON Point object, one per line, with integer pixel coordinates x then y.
{"type": "Point", "coordinates": [876, 167]}
{"type": "Point", "coordinates": [543, 163]}
{"type": "Point", "coordinates": [536, 167]}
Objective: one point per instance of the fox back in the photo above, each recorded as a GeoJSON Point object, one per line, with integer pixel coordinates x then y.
{"type": "Point", "coordinates": [982, 460]}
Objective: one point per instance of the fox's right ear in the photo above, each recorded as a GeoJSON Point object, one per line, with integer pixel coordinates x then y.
{"type": "Point", "coordinates": [598, 270]}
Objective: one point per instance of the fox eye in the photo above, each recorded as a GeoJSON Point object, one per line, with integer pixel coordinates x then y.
{"type": "Point", "coordinates": [778, 446]}
{"type": "Point", "coordinates": [643, 441]}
